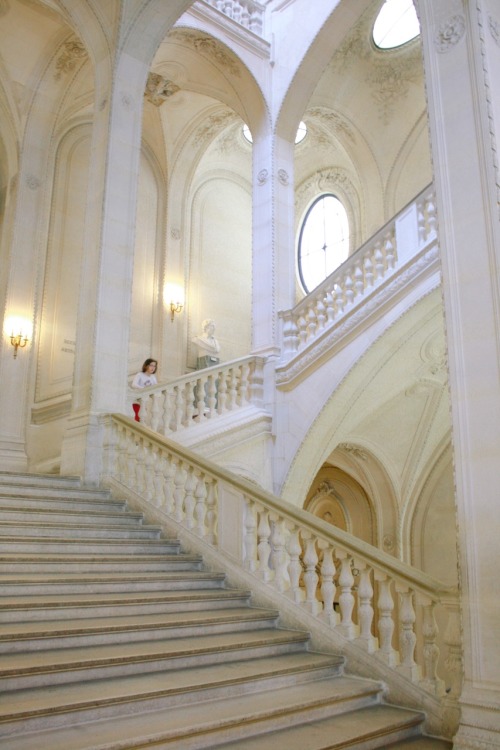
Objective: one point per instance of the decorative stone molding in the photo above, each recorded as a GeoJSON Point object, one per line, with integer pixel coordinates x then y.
{"type": "Point", "coordinates": [389, 82]}
{"type": "Point", "coordinates": [175, 233]}
{"type": "Point", "coordinates": [333, 121]}
{"type": "Point", "coordinates": [354, 450]}
{"type": "Point", "coordinates": [389, 543]}
{"type": "Point", "coordinates": [210, 48]}
{"type": "Point", "coordinates": [73, 52]}
{"type": "Point", "coordinates": [159, 89]}
{"type": "Point", "coordinates": [283, 177]}
{"type": "Point", "coordinates": [126, 100]}
{"type": "Point", "coordinates": [212, 126]}
{"type": "Point", "coordinates": [32, 182]}
{"type": "Point", "coordinates": [494, 27]}
{"type": "Point", "coordinates": [262, 177]}
{"type": "Point", "coordinates": [450, 33]}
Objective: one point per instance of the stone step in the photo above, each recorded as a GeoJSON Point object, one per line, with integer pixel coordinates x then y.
{"type": "Point", "coordinates": [102, 563]}
{"type": "Point", "coordinates": [77, 546]}
{"type": "Point", "coordinates": [32, 636]}
{"type": "Point", "coordinates": [421, 743]}
{"type": "Point", "coordinates": [200, 725]}
{"type": "Point", "coordinates": [15, 490]}
{"type": "Point", "coordinates": [33, 585]}
{"type": "Point", "coordinates": [72, 517]}
{"type": "Point", "coordinates": [124, 604]}
{"type": "Point", "coordinates": [60, 666]}
{"type": "Point", "coordinates": [16, 479]}
{"type": "Point", "coordinates": [29, 499]}
{"type": "Point", "coordinates": [364, 729]}
{"type": "Point", "coordinates": [63, 531]}
{"type": "Point", "coordinates": [36, 709]}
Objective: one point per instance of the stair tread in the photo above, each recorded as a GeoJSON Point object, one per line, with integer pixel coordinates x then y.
{"type": "Point", "coordinates": [77, 577]}
{"type": "Point", "coordinates": [335, 732]}
{"type": "Point", "coordinates": [92, 557]}
{"type": "Point", "coordinates": [51, 628]}
{"type": "Point", "coordinates": [119, 597]}
{"type": "Point", "coordinates": [152, 726]}
{"type": "Point", "coordinates": [83, 657]}
{"type": "Point", "coordinates": [74, 696]}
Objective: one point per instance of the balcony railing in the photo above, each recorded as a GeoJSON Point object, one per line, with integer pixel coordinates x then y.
{"type": "Point", "coordinates": [374, 264]}
{"type": "Point", "coordinates": [384, 608]}
{"type": "Point", "coordinates": [201, 396]}
{"type": "Point", "coordinates": [245, 12]}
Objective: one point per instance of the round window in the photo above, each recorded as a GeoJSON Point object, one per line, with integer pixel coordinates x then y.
{"type": "Point", "coordinates": [323, 241]}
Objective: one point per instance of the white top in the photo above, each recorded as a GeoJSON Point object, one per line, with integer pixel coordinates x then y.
{"type": "Point", "coordinates": [144, 380]}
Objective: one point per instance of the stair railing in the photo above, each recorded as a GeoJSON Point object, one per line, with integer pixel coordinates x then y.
{"type": "Point", "coordinates": [409, 234]}
{"type": "Point", "coordinates": [369, 598]}
{"type": "Point", "coordinates": [201, 396]}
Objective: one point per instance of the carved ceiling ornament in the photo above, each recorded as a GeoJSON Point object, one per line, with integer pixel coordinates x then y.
{"type": "Point", "coordinates": [72, 53]}
{"type": "Point", "coordinates": [389, 83]}
{"type": "Point", "coordinates": [213, 126]}
{"type": "Point", "coordinates": [354, 450]}
{"type": "Point", "coordinates": [449, 33]}
{"type": "Point", "coordinates": [262, 177]}
{"type": "Point", "coordinates": [210, 48]}
{"type": "Point", "coordinates": [333, 122]}
{"type": "Point", "coordinates": [159, 89]}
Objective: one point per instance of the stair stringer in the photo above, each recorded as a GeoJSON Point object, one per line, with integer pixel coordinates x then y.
{"type": "Point", "coordinates": [442, 717]}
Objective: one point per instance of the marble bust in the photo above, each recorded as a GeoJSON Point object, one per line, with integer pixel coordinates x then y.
{"type": "Point", "coordinates": [206, 342]}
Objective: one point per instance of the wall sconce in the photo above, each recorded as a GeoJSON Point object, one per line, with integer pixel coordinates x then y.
{"type": "Point", "coordinates": [175, 307]}
{"type": "Point", "coordinates": [18, 331]}
{"type": "Point", "coordinates": [173, 298]}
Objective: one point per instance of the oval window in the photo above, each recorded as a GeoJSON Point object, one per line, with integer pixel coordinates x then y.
{"type": "Point", "coordinates": [396, 24]}
{"type": "Point", "coordinates": [323, 241]}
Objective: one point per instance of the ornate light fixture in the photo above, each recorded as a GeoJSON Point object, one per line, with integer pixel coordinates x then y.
{"type": "Point", "coordinates": [18, 330]}
{"type": "Point", "coordinates": [18, 341]}
{"type": "Point", "coordinates": [173, 298]}
{"type": "Point", "coordinates": [175, 307]}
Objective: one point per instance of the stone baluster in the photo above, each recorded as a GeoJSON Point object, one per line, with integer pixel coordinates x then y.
{"type": "Point", "coordinates": [250, 536]}
{"type": "Point", "coordinates": [211, 515]}
{"type": "Point", "coordinates": [255, 24]}
{"type": "Point", "coordinates": [179, 407]}
{"type": "Point", "coordinates": [330, 308]}
{"type": "Point", "coordinates": [236, 13]}
{"type": "Point", "coordinates": [311, 323]}
{"type": "Point", "coordinates": [211, 395]}
{"type": "Point", "coordinates": [199, 391]}
{"type": "Point", "coordinates": [170, 471]}
{"type": "Point", "coordinates": [140, 469]}
{"type": "Point", "coordinates": [168, 411]}
{"type": "Point", "coordinates": [369, 272]}
{"type": "Point", "coordinates": [245, 17]}
{"type": "Point", "coordinates": [328, 588]}
{"type": "Point", "coordinates": [122, 463]}
{"type": "Point", "coordinates": [390, 251]}
{"type": "Point", "coordinates": [278, 553]}
{"type": "Point", "coordinates": [311, 577]}
{"type": "Point", "coordinates": [379, 261]}
{"type": "Point", "coordinates": [339, 297]}
{"type": "Point", "coordinates": [159, 466]}
{"type": "Point", "coordinates": [431, 216]}
{"type": "Point", "coordinates": [421, 221]}
{"type": "Point", "coordinates": [200, 507]}
{"type": "Point", "coordinates": [290, 334]}
{"type": "Point", "coordinates": [179, 482]}
{"type": "Point", "coordinates": [131, 460]}
{"type": "Point", "coordinates": [302, 331]}
{"type": "Point", "coordinates": [407, 637]}
{"type": "Point", "coordinates": [256, 388]}
{"type": "Point", "coordinates": [365, 609]}
{"type": "Point", "coordinates": [430, 652]}
{"type": "Point", "coordinates": [149, 472]}
{"type": "Point", "coordinates": [263, 547]}
{"type": "Point", "coordinates": [233, 388]}
{"type": "Point", "coordinates": [385, 606]}
{"type": "Point", "coordinates": [189, 396]}
{"type": "Point", "coordinates": [454, 659]}
{"type": "Point", "coordinates": [294, 567]}
{"type": "Point", "coordinates": [156, 410]}
{"type": "Point", "coordinates": [359, 280]}
{"type": "Point", "coordinates": [189, 500]}
{"type": "Point", "coordinates": [349, 290]}
{"type": "Point", "coordinates": [243, 389]}
{"type": "Point", "coordinates": [320, 312]}
{"type": "Point", "coordinates": [346, 598]}
{"type": "Point", "coordinates": [222, 393]}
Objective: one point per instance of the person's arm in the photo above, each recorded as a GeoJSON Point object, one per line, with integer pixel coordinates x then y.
{"type": "Point", "coordinates": [137, 381]}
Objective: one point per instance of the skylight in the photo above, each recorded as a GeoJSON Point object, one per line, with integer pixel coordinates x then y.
{"type": "Point", "coordinates": [396, 24]}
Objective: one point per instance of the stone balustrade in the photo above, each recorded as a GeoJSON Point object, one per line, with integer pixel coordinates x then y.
{"type": "Point", "coordinates": [245, 12]}
{"type": "Point", "coordinates": [375, 263]}
{"type": "Point", "coordinates": [371, 600]}
{"type": "Point", "coordinates": [201, 396]}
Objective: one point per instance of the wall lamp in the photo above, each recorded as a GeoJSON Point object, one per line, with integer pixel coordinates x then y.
{"type": "Point", "coordinates": [175, 307]}
{"type": "Point", "coordinates": [173, 298]}
{"type": "Point", "coordinates": [18, 331]}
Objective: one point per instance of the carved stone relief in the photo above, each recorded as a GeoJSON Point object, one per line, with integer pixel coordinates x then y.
{"type": "Point", "coordinates": [212, 126]}
{"type": "Point", "coordinates": [210, 48]}
{"type": "Point", "coordinates": [72, 53]}
{"type": "Point", "coordinates": [494, 27]}
{"type": "Point", "coordinates": [333, 121]}
{"type": "Point", "coordinates": [159, 89]}
{"type": "Point", "coordinates": [450, 33]}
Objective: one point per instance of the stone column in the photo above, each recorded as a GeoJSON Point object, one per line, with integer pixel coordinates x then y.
{"type": "Point", "coordinates": [462, 64]}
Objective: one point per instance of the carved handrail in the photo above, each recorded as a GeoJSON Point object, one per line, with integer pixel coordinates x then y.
{"type": "Point", "coordinates": [371, 599]}
{"type": "Point", "coordinates": [373, 264]}
{"type": "Point", "coordinates": [201, 396]}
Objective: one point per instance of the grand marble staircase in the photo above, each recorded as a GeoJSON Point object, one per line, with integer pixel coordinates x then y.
{"type": "Point", "coordinates": [112, 637]}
